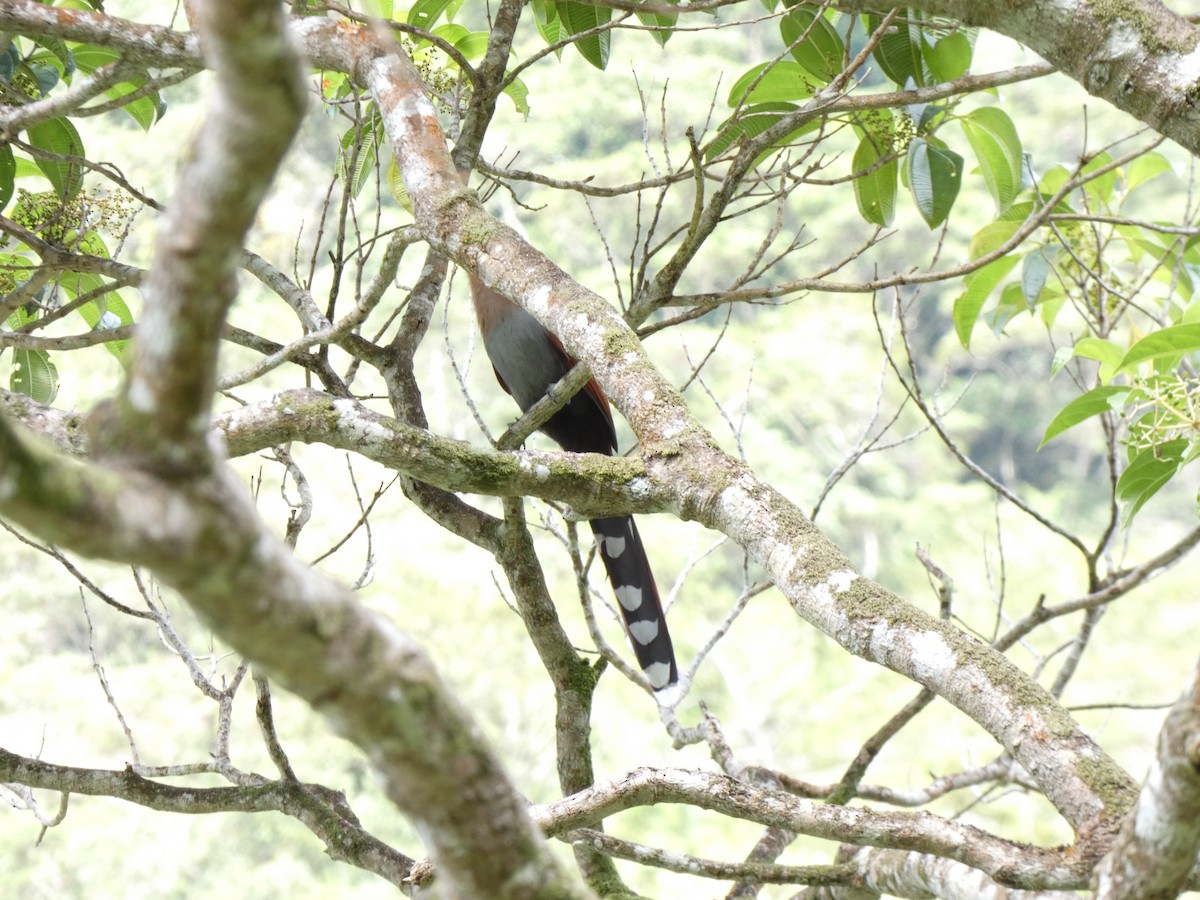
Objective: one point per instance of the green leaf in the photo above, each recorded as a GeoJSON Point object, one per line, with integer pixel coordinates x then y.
{"type": "Point", "coordinates": [56, 50]}
{"type": "Point", "coordinates": [1010, 305]}
{"type": "Point", "coordinates": [875, 191]}
{"type": "Point", "coordinates": [360, 152]}
{"type": "Point", "coordinates": [934, 177]}
{"type": "Point", "coordinates": [425, 12]}
{"type": "Point", "coordinates": [1052, 304]}
{"type": "Point", "coordinates": [8, 174]}
{"type": "Point", "coordinates": [1103, 186]}
{"type": "Point", "coordinates": [659, 22]}
{"type": "Point", "coordinates": [518, 93]}
{"type": "Point", "coordinates": [899, 52]}
{"type": "Point", "coordinates": [780, 81]}
{"type": "Point", "coordinates": [34, 375]}
{"type": "Point", "coordinates": [1053, 180]}
{"type": "Point", "coordinates": [753, 121]}
{"type": "Point", "coordinates": [1102, 351]}
{"type": "Point", "coordinates": [396, 186]}
{"type": "Point", "coordinates": [1147, 166]}
{"type": "Point", "coordinates": [45, 76]}
{"type": "Point", "coordinates": [450, 32]}
{"type": "Point", "coordinates": [474, 45]}
{"type": "Point", "coordinates": [59, 137]}
{"type": "Point", "coordinates": [1169, 342]}
{"type": "Point", "coordinates": [821, 51]}
{"type": "Point", "coordinates": [108, 310]}
{"type": "Point", "coordinates": [1035, 269]}
{"type": "Point", "coordinates": [980, 285]}
{"type": "Point", "coordinates": [1103, 399]}
{"type": "Point", "coordinates": [144, 110]}
{"type": "Point", "coordinates": [89, 57]}
{"type": "Point", "coordinates": [990, 237]}
{"type": "Point", "coordinates": [549, 25]}
{"type": "Point", "coordinates": [950, 57]}
{"type": "Point", "coordinates": [580, 17]}
{"type": "Point", "coordinates": [1147, 473]}
{"type": "Point", "coordinates": [994, 139]}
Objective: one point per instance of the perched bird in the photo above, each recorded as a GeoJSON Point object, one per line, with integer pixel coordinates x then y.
{"type": "Point", "coordinates": [528, 360]}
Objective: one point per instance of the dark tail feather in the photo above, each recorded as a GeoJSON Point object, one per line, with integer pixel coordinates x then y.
{"type": "Point", "coordinates": [633, 582]}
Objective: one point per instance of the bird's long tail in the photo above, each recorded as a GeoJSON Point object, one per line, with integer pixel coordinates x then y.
{"type": "Point", "coordinates": [633, 582]}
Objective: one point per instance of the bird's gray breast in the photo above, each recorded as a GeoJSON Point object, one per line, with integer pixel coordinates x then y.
{"type": "Point", "coordinates": [524, 357]}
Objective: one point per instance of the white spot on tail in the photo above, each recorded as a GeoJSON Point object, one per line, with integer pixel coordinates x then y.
{"type": "Point", "coordinates": [629, 596]}
{"type": "Point", "coordinates": [614, 547]}
{"type": "Point", "coordinates": [658, 674]}
{"type": "Point", "coordinates": [644, 632]}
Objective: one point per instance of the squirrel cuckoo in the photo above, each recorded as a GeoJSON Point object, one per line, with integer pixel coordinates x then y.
{"type": "Point", "coordinates": [528, 360]}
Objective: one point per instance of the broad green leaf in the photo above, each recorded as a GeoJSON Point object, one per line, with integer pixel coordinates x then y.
{"type": "Point", "coordinates": [934, 177]}
{"type": "Point", "coordinates": [58, 136]}
{"type": "Point", "coordinates": [1174, 341]}
{"type": "Point", "coordinates": [1010, 305]}
{"type": "Point", "coordinates": [1147, 166]}
{"type": "Point", "coordinates": [549, 25]}
{"type": "Point", "coordinates": [1103, 186]}
{"type": "Point", "coordinates": [1053, 301]}
{"type": "Point", "coordinates": [450, 32]}
{"type": "Point", "coordinates": [661, 23]}
{"type": "Point", "coordinates": [45, 76]}
{"type": "Point", "coordinates": [396, 186]}
{"type": "Point", "coordinates": [950, 57]}
{"type": "Point", "coordinates": [779, 82]}
{"type": "Point", "coordinates": [1054, 179]}
{"type": "Point", "coordinates": [1102, 351]}
{"type": "Point", "coordinates": [1147, 473]}
{"type": "Point", "coordinates": [89, 57]}
{"type": "Point", "coordinates": [360, 152]}
{"type": "Point", "coordinates": [580, 17]}
{"type": "Point", "coordinates": [56, 53]}
{"type": "Point", "coordinates": [875, 190]}
{"type": "Point", "coordinates": [899, 51]}
{"type": "Point", "coordinates": [143, 110]}
{"type": "Point", "coordinates": [34, 375]}
{"type": "Point", "coordinates": [10, 58]}
{"type": "Point", "coordinates": [518, 93]}
{"type": "Point", "coordinates": [425, 12]}
{"type": "Point", "coordinates": [980, 285]}
{"type": "Point", "coordinates": [474, 45]}
{"type": "Point", "coordinates": [991, 236]}
{"type": "Point", "coordinates": [822, 49]}
{"type": "Point", "coordinates": [753, 121]}
{"type": "Point", "coordinates": [8, 174]}
{"type": "Point", "coordinates": [1035, 269]}
{"type": "Point", "coordinates": [107, 310]}
{"type": "Point", "coordinates": [1103, 399]}
{"type": "Point", "coordinates": [998, 148]}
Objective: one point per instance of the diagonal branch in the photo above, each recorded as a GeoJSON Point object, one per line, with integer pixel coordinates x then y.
{"type": "Point", "coordinates": [1157, 845]}
{"type": "Point", "coordinates": [256, 107]}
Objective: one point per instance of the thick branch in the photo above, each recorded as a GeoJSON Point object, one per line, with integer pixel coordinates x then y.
{"type": "Point", "coordinates": [204, 539]}
{"type": "Point", "coordinates": [592, 484]}
{"type": "Point", "coordinates": [253, 112]}
{"type": "Point", "coordinates": [1156, 847]}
